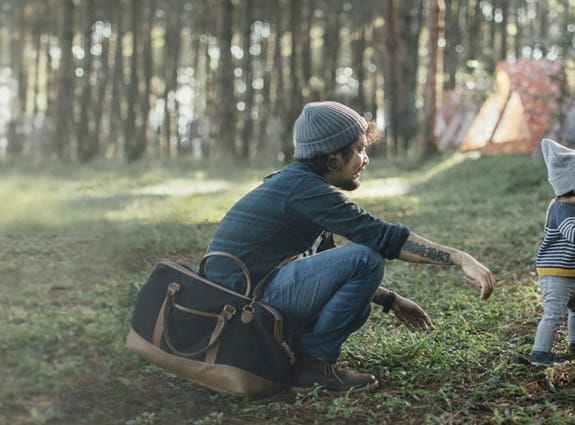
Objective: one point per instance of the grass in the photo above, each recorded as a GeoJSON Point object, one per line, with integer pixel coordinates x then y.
{"type": "Point", "coordinates": [77, 242]}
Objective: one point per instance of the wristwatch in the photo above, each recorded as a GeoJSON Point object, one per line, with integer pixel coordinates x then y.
{"type": "Point", "coordinates": [388, 301]}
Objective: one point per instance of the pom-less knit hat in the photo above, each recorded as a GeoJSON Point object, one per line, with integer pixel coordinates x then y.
{"type": "Point", "coordinates": [560, 162]}
{"type": "Point", "coordinates": [325, 127]}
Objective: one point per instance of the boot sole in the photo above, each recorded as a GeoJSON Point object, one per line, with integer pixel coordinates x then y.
{"type": "Point", "coordinates": [564, 363]}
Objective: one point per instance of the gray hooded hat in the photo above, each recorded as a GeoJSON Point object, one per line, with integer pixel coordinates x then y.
{"type": "Point", "coordinates": [325, 127]}
{"type": "Point", "coordinates": [560, 162]}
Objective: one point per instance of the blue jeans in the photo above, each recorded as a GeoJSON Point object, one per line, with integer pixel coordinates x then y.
{"type": "Point", "coordinates": [558, 297]}
{"type": "Point", "coordinates": [325, 297]}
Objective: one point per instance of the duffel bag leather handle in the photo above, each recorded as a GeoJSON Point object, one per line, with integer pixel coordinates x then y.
{"type": "Point", "coordinates": [227, 313]}
{"type": "Point", "coordinates": [236, 260]}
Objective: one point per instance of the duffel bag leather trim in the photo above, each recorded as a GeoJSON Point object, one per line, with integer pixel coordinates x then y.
{"type": "Point", "coordinates": [216, 377]}
{"type": "Point", "coordinates": [278, 326]}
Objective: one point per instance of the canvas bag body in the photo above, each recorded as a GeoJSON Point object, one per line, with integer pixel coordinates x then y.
{"type": "Point", "coordinates": [209, 334]}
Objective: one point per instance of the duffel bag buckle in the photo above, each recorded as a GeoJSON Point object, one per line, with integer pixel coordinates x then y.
{"type": "Point", "coordinates": [173, 288]}
{"type": "Point", "coordinates": [247, 314]}
{"type": "Point", "coordinates": [228, 311]}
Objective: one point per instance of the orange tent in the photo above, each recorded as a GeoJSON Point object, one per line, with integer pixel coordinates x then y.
{"type": "Point", "coordinates": [521, 109]}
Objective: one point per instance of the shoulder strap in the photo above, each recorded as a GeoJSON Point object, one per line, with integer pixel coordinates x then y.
{"type": "Point", "coordinates": [261, 285]}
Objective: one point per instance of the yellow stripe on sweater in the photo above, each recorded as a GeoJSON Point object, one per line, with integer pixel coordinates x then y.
{"type": "Point", "coordinates": [548, 271]}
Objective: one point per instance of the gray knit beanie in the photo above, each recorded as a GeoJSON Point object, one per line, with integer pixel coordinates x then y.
{"type": "Point", "coordinates": [325, 127]}
{"type": "Point", "coordinates": [560, 162]}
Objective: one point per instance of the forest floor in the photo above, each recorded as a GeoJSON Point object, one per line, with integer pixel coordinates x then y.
{"type": "Point", "coordinates": [76, 243]}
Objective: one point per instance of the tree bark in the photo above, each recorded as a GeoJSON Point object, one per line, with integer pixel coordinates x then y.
{"type": "Point", "coordinates": [543, 14]}
{"type": "Point", "coordinates": [36, 86]}
{"type": "Point", "coordinates": [358, 53]}
{"type": "Point", "coordinates": [503, 31]}
{"type": "Point", "coordinates": [295, 98]}
{"type": "Point", "coordinates": [85, 148]}
{"type": "Point", "coordinates": [264, 107]}
{"type": "Point", "coordinates": [518, 40]}
{"type": "Point", "coordinates": [148, 65]}
{"type": "Point", "coordinates": [427, 140]}
{"type": "Point", "coordinates": [103, 83]}
{"type": "Point", "coordinates": [453, 9]}
{"type": "Point", "coordinates": [18, 106]}
{"type": "Point", "coordinates": [568, 36]}
{"type": "Point", "coordinates": [306, 52]}
{"type": "Point", "coordinates": [172, 57]}
{"type": "Point", "coordinates": [474, 34]}
{"type": "Point", "coordinates": [331, 46]}
{"type": "Point", "coordinates": [401, 32]}
{"type": "Point", "coordinates": [247, 66]}
{"type": "Point", "coordinates": [225, 82]}
{"type": "Point", "coordinates": [278, 67]}
{"type": "Point", "coordinates": [115, 134]}
{"type": "Point", "coordinates": [132, 150]}
{"type": "Point", "coordinates": [64, 107]}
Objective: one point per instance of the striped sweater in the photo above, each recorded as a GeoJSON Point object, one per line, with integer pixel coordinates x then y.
{"type": "Point", "coordinates": [556, 256]}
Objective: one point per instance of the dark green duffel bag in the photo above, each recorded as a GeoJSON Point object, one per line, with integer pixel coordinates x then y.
{"type": "Point", "coordinates": [211, 335]}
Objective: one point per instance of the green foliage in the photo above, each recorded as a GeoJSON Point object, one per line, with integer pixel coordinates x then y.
{"type": "Point", "coordinates": [77, 243]}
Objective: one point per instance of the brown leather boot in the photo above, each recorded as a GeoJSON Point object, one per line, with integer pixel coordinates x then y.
{"type": "Point", "coordinates": [310, 371]}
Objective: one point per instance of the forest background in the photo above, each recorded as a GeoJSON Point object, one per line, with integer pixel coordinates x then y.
{"type": "Point", "coordinates": [129, 127]}
{"type": "Point", "coordinates": [82, 79]}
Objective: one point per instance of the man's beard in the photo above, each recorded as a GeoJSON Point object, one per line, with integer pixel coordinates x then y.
{"type": "Point", "coordinates": [350, 184]}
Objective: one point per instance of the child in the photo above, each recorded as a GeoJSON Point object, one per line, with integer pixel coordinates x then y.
{"type": "Point", "coordinates": [556, 257]}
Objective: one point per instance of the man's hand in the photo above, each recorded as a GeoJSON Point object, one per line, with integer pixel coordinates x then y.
{"type": "Point", "coordinates": [477, 273]}
{"type": "Point", "coordinates": [411, 313]}
{"type": "Point", "coordinates": [418, 249]}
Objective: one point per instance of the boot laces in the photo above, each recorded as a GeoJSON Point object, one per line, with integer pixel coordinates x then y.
{"type": "Point", "coordinates": [330, 369]}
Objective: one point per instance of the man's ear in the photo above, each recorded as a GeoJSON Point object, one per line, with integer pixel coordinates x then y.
{"type": "Point", "coordinates": [333, 164]}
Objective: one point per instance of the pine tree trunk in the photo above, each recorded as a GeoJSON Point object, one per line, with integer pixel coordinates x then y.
{"type": "Point", "coordinates": [295, 98]}
{"type": "Point", "coordinates": [131, 145]}
{"type": "Point", "coordinates": [115, 133]}
{"type": "Point", "coordinates": [64, 107]}
{"type": "Point", "coordinates": [401, 33]}
{"type": "Point", "coordinates": [358, 53]}
{"type": "Point", "coordinates": [474, 34]}
{"type": "Point", "coordinates": [85, 149]}
{"type": "Point", "coordinates": [331, 47]}
{"type": "Point", "coordinates": [306, 53]}
{"type": "Point", "coordinates": [226, 115]}
{"type": "Point", "coordinates": [36, 87]}
{"type": "Point", "coordinates": [145, 98]}
{"type": "Point", "coordinates": [247, 65]}
{"type": "Point", "coordinates": [543, 15]}
{"type": "Point", "coordinates": [504, 34]}
{"type": "Point", "coordinates": [428, 138]}
{"type": "Point", "coordinates": [453, 9]}
{"type": "Point", "coordinates": [18, 106]}
{"type": "Point", "coordinates": [172, 54]}
{"type": "Point", "coordinates": [278, 66]}
{"type": "Point", "coordinates": [518, 41]}
{"type": "Point", "coordinates": [103, 82]}
{"type": "Point", "coordinates": [264, 108]}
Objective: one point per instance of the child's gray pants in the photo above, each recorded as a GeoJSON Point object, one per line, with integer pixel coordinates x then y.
{"type": "Point", "coordinates": [558, 297]}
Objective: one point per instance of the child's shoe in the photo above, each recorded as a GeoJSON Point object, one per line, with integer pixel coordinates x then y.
{"type": "Point", "coordinates": [544, 358]}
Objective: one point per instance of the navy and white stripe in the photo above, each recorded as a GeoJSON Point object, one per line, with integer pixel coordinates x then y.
{"type": "Point", "coordinates": [556, 256]}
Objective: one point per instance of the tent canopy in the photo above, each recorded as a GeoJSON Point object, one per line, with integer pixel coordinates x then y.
{"type": "Point", "coordinates": [521, 109]}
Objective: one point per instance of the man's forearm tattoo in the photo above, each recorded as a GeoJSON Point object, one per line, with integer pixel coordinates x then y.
{"type": "Point", "coordinates": [434, 254]}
